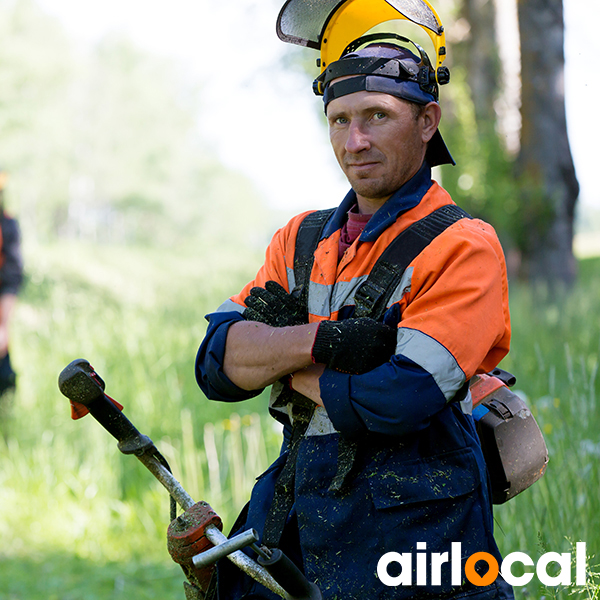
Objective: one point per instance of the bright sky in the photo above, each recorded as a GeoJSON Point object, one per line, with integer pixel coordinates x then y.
{"type": "Point", "coordinates": [264, 120]}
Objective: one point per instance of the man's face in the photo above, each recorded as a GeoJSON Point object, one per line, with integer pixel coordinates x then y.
{"type": "Point", "coordinates": [378, 141]}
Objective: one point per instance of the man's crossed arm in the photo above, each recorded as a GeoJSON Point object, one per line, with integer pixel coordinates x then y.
{"type": "Point", "coordinates": [278, 342]}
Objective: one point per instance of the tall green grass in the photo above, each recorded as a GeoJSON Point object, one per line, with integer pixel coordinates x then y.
{"type": "Point", "coordinates": [91, 523]}
{"type": "Point", "coordinates": [65, 490]}
{"type": "Point", "coordinates": [555, 355]}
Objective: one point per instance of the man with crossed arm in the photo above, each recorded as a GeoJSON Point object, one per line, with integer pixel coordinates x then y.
{"type": "Point", "coordinates": [389, 394]}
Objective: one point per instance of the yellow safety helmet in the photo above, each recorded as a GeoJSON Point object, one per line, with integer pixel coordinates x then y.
{"type": "Point", "coordinates": [330, 25]}
{"type": "Point", "coordinates": [378, 62]}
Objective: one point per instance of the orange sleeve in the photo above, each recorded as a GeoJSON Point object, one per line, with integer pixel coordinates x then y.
{"type": "Point", "coordinates": [459, 296]}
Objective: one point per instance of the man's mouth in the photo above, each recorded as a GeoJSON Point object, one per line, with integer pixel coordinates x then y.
{"type": "Point", "coordinates": [362, 166]}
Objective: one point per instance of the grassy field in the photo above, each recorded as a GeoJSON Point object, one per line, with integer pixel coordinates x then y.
{"type": "Point", "coordinates": [79, 521]}
{"type": "Point", "coordinates": [555, 355]}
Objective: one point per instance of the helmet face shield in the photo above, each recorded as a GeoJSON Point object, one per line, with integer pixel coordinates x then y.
{"type": "Point", "coordinates": [301, 22]}
{"type": "Point", "coordinates": [330, 25]}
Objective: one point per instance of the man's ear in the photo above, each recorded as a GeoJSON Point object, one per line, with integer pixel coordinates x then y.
{"type": "Point", "coordinates": [430, 119]}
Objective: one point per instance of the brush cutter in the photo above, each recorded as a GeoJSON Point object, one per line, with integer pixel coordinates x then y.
{"type": "Point", "coordinates": [194, 539]}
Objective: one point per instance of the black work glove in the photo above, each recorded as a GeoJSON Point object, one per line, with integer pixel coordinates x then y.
{"type": "Point", "coordinates": [354, 345]}
{"type": "Point", "coordinates": [273, 306]}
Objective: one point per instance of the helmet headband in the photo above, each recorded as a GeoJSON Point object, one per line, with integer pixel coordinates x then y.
{"type": "Point", "coordinates": [384, 60]}
{"type": "Point", "coordinates": [407, 90]}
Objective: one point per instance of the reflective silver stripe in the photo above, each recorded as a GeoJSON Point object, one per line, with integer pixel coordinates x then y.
{"type": "Point", "coordinates": [326, 299]}
{"type": "Point", "coordinates": [291, 279]}
{"type": "Point", "coordinates": [318, 299]}
{"type": "Point", "coordinates": [466, 405]}
{"type": "Point", "coordinates": [403, 287]}
{"type": "Point", "coordinates": [230, 306]}
{"type": "Point", "coordinates": [323, 300]}
{"type": "Point", "coordinates": [344, 292]}
{"type": "Point", "coordinates": [320, 424]}
{"type": "Point", "coordinates": [276, 390]}
{"type": "Point", "coordinates": [433, 357]}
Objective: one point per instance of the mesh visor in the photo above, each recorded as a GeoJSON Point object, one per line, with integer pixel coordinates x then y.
{"type": "Point", "coordinates": [302, 21]}
{"type": "Point", "coordinates": [418, 12]}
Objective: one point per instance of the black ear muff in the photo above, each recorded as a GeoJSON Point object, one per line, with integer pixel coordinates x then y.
{"type": "Point", "coordinates": [443, 75]}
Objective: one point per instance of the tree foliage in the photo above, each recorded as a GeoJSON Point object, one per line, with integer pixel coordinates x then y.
{"type": "Point", "coordinates": [103, 142]}
{"type": "Point", "coordinates": [530, 196]}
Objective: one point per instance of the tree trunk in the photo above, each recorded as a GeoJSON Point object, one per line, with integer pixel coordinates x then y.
{"type": "Point", "coordinates": [546, 173]}
{"type": "Point", "coordinates": [479, 54]}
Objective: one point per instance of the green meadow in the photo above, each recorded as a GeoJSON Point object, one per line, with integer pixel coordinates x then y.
{"type": "Point", "coordinates": [80, 521]}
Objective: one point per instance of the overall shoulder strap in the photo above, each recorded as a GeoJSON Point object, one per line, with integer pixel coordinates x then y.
{"type": "Point", "coordinates": [307, 240]}
{"type": "Point", "coordinates": [372, 296]}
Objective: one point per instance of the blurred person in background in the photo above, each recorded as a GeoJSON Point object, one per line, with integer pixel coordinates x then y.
{"type": "Point", "coordinates": [11, 279]}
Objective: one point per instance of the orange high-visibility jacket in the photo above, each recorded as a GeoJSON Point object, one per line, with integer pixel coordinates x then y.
{"type": "Point", "coordinates": [419, 473]}
{"type": "Point", "coordinates": [451, 310]}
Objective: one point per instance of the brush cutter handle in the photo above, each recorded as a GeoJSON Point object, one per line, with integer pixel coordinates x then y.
{"type": "Point", "coordinates": [80, 383]}
{"type": "Point", "coordinates": [289, 576]}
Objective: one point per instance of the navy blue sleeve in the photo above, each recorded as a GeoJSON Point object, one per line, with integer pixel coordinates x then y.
{"type": "Point", "coordinates": [396, 398]}
{"type": "Point", "coordinates": [209, 361]}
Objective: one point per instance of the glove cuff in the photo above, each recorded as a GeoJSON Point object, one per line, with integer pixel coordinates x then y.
{"type": "Point", "coordinates": [326, 340]}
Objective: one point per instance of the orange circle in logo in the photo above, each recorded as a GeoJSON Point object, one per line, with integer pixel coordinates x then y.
{"type": "Point", "coordinates": [473, 576]}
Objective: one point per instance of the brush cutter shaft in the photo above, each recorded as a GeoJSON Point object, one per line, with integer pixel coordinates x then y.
{"type": "Point", "coordinates": [80, 383]}
{"type": "Point", "coordinates": [238, 558]}
{"type": "Point", "coordinates": [166, 478]}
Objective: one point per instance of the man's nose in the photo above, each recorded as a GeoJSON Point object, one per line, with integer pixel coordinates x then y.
{"type": "Point", "coordinates": [358, 139]}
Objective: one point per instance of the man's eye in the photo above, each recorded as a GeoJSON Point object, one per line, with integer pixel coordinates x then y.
{"type": "Point", "coordinates": [341, 121]}
{"type": "Point", "coordinates": [379, 115]}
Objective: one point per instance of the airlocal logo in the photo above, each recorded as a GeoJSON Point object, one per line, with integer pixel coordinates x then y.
{"type": "Point", "coordinates": [437, 559]}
